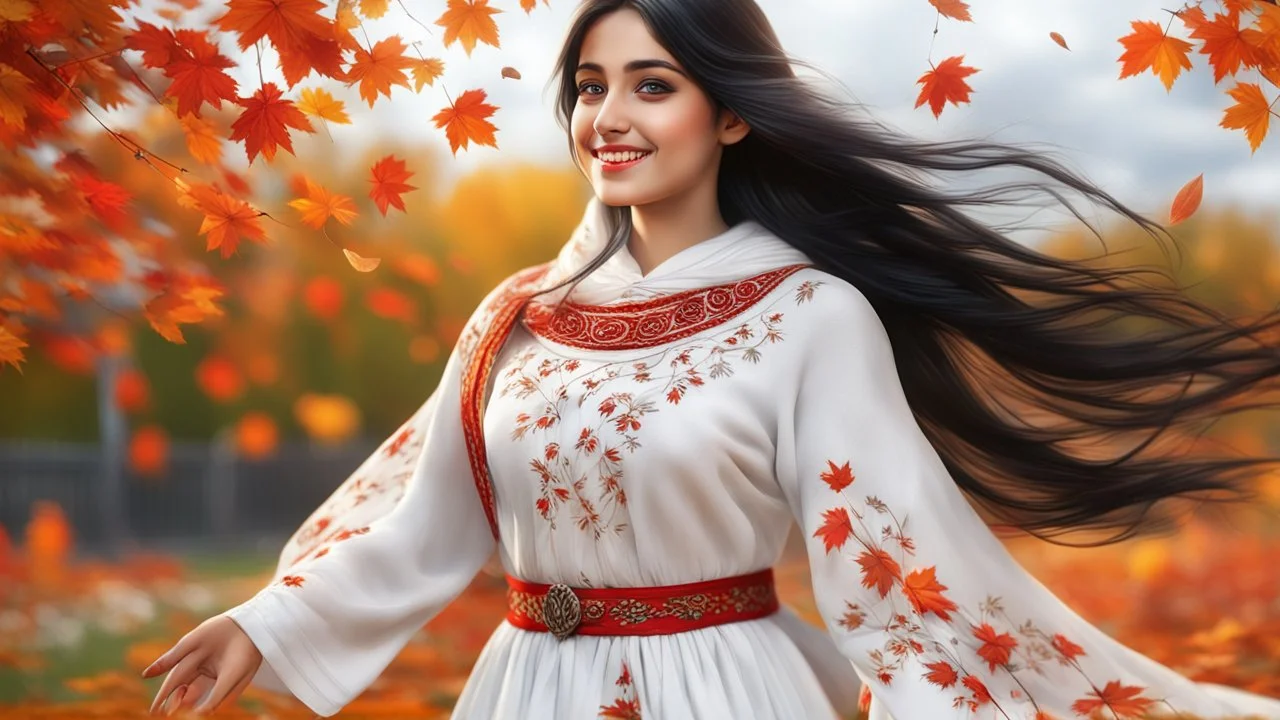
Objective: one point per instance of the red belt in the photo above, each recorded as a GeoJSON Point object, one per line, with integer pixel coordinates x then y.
{"type": "Point", "coordinates": [564, 611]}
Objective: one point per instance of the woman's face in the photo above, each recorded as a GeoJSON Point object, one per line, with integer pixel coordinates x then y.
{"type": "Point", "coordinates": [633, 94]}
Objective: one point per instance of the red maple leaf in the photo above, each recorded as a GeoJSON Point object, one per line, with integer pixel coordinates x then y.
{"type": "Point", "coordinates": [996, 647]}
{"type": "Point", "coordinates": [1124, 701]}
{"type": "Point", "coordinates": [287, 23]}
{"type": "Point", "coordinates": [838, 477]}
{"type": "Point", "coordinates": [380, 68]}
{"type": "Point", "coordinates": [389, 176]}
{"type": "Point", "coordinates": [835, 529]}
{"type": "Point", "coordinates": [879, 570]}
{"type": "Point", "coordinates": [1068, 649]}
{"type": "Point", "coordinates": [465, 121]}
{"type": "Point", "coordinates": [942, 674]}
{"type": "Point", "coordinates": [925, 593]}
{"type": "Point", "coordinates": [199, 73]}
{"type": "Point", "coordinates": [945, 83]}
{"type": "Point", "coordinates": [157, 44]}
{"type": "Point", "coordinates": [264, 124]}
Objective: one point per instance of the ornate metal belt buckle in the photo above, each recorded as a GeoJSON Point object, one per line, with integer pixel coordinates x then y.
{"type": "Point", "coordinates": [561, 610]}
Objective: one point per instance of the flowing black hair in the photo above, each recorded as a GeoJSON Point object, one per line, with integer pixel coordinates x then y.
{"type": "Point", "coordinates": [969, 311]}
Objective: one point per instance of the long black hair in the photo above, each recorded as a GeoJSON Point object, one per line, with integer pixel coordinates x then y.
{"type": "Point", "coordinates": [967, 309]}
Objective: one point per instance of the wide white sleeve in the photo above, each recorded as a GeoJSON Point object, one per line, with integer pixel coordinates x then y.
{"type": "Point", "coordinates": [389, 549]}
{"type": "Point", "coordinates": [936, 616]}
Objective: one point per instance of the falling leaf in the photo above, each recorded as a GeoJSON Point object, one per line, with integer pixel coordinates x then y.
{"type": "Point", "coordinates": [510, 72]}
{"type": "Point", "coordinates": [378, 70]}
{"type": "Point", "coordinates": [317, 102]}
{"type": "Point", "coordinates": [469, 21]}
{"type": "Point", "coordinates": [946, 82]}
{"type": "Point", "coordinates": [1148, 48]}
{"type": "Point", "coordinates": [389, 176]}
{"type": "Point", "coordinates": [1251, 113]}
{"type": "Point", "coordinates": [1187, 201]}
{"type": "Point", "coordinates": [465, 122]}
{"type": "Point", "coordinates": [1057, 37]}
{"type": "Point", "coordinates": [203, 141]}
{"type": "Point", "coordinates": [953, 9]}
{"type": "Point", "coordinates": [199, 73]}
{"type": "Point", "coordinates": [426, 71]}
{"type": "Point", "coordinates": [361, 264]}
{"type": "Point", "coordinates": [264, 124]}
{"type": "Point", "coordinates": [319, 205]}
{"type": "Point", "coordinates": [11, 348]}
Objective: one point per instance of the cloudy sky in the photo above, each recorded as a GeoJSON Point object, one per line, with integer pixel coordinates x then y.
{"type": "Point", "coordinates": [1131, 136]}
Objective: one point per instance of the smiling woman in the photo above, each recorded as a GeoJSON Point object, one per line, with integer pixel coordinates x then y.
{"type": "Point", "coordinates": [766, 318]}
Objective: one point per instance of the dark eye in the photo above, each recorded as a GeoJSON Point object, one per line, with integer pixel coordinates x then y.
{"type": "Point", "coordinates": [661, 88]}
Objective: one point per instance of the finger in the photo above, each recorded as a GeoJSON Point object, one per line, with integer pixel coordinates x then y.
{"type": "Point", "coordinates": [219, 693]}
{"type": "Point", "coordinates": [169, 658]}
{"type": "Point", "coordinates": [198, 688]}
{"type": "Point", "coordinates": [182, 674]}
{"type": "Point", "coordinates": [175, 701]}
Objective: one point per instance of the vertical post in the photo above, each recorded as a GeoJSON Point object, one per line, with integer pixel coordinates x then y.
{"type": "Point", "coordinates": [111, 432]}
{"type": "Point", "coordinates": [220, 487]}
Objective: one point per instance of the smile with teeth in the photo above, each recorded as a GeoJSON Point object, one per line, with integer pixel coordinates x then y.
{"type": "Point", "coordinates": [622, 157]}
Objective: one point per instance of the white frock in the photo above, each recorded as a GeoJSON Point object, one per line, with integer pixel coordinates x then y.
{"type": "Point", "coordinates": [668, 429]}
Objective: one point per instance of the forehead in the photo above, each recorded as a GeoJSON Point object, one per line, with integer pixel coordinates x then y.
{"type": "Point", "coordinates": [619, 37]}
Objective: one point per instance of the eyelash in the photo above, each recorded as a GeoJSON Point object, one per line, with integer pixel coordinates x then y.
{"type": "Point", "coordinates": [662, 86]}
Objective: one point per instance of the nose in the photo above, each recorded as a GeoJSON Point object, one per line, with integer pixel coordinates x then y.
{"type": "Point", "coordinates": [611, 117]}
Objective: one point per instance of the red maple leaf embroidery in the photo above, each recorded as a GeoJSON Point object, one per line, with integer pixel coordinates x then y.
{"type": "Point", "coordinates": [925, 593]}
{"type": "Point", "coordinates": [879, 570]}
{"type": "Point", "coordinates": [838, 477]}
{"type": "Point", "coordinates": [981, 696]}
{"type": "Point", "coordinates": [835, 529]}
{"type": "Point", "coordinates": [1068, 649]}
{"type": "Point", "coordinates": [398, 444]}
{"type": "Point", "coordinates": [942, 674]}
{"type": "Point", "coordinates": [996, 647]}
{"type": "Point", "coordinates": [292, 580]}
{"type": "Point", "coordinates": [1125, 701]}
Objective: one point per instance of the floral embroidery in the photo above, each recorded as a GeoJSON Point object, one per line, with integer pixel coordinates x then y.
{"type": "Point", "coordinates": [585, 478]}
{"type": "Point", "coordinates": [999, 649]}
{"type": "Point", "coordinates": [627, 705]}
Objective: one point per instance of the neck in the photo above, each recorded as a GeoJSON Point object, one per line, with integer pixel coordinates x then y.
{"type": "Point", "coordinates": [660, 230]}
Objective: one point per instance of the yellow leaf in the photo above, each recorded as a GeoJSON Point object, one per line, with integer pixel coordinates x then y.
{"type": "Point", "coordinates": [319, 205]}
{"type": "Point", "coordinates": [363, 264]}
{"type": "Point", "coordinates": [425, 72]}
{"type": "Point", "coordinates": [11, 348]}
{"type": "Point", "coordinates": [318, 102]}
{"type": "Point", "coordinates": [1251, 113]}
{"type": "Point", "coordinates": [15, 10]}
{"type": "Point", "coordinates": [373, 8]}
{"type": "Point", "coordinates": [203, 141]}
{"type": "Point", "coordinates": [13, 96]}
{"type": "Point", "coordinates": [346, 18]}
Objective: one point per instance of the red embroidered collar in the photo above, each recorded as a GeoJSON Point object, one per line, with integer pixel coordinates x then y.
{"type": "Point", "coordinates": [631, 325]}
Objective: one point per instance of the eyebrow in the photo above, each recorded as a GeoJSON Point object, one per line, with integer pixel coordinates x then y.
{"type": "Point", "coordinates": [635, 65]}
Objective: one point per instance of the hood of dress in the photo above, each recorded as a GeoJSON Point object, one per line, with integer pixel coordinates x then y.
{"type": "Point", "coordinates": [744, 250]}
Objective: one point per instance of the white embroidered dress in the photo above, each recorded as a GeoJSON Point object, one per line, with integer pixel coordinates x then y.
{"type": "Point", "coordinates": [669, 430]}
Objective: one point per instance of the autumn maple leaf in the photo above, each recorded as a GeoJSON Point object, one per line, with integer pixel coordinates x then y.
{"type": "Point", "coordinates": [389, 176]}
{"type": "Point", "coordinates": [946, 82]}
{"type": "Point", "coordinates": [1224, 43]}
{"type": "Point", "coordinates": [1068, 649]}
{"type": "Point", "coordinates": [529, 5]}
{"type": "Point", "coordinates": [227, 219]}
{"type": "Point", "coordinates": [186, 303]}
{"type": "Point", "coordinates": [11, 348]}
{"type": "Point", "coordinates": [942, 674]}
{"type": "Point", "coordinates": [203, 140]}
{"type": "Point", "coordinates": [106, 199]}
{"type": "Point", "coordinates": [199, 73]}
{"type": "Point", "coordinates": [953, 9]}
{"type": "Point", "coordinates": [465, 121]}
{"type": "Point", "coordinates": [996, 647]}
{"type": "Point", "coordinates": [1149, 48]}
{"type": "Point", "coordinates": [287, 23]}
{"type": "Point", "coordinates": [1123, 701]}
{"type": "Point", "coordinates": [373, 9]}
{"type": "Point", "coordinates": [925, 593]}
{"type": "Point", "coordinates": [838, 477]}
{"type": "Point", "coordinates": [319, 205]}
{"type": "Point", "coordinates": [1251, 113]}
{"type": "Point", "coordinates": [317, 102]}
{"type": "Point", "coordinates": [264, 124]}
{"type": "Point", "coordinates": [377, 70]}
{"type": "Point", "coordinates": [14, 94]}
{"type": "Point", "coordinates": [425, 71]}
{"type": "Point", "coordinates": [469, 21]}
{"type": "Point", "coordinates": [879, 571]}
{"type": "Point", "coordinates": [158, 45]}
{"type": "Point", "coordinates": [835, 529]}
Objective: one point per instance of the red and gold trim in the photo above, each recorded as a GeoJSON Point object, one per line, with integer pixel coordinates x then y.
{"type": "Point", "coordinates": [642, 610]}
{"type": "Point", "coordinates": [495, 325]}
{"type": "Point", "coordinates": [628, 326]}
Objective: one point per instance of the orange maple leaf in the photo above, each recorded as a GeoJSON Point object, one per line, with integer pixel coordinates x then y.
{"type": "Point", "coordinates": [838, 477]}
{"type": "Point", "coordinates": [264, 124]}
{"type": "Point", "coordinates": [1251, 113]}
{"type": "Point", "coordinates": [226, 219]}
{"type": "Point", "coordinates": [879, 571]}
{"type": "Point", "coordinates": [945, 82]}
{"type": "Point", "coordinates": [996, 647]}
{"type": "Point", "coordinates": [203, 140]}
{"type": "Point", "coordinates": [319, 205]}
{"type": "Point", "coordinates": [373, 9]}
{"type": "Point", "coordinates": [1123, 700]}
{"type": "Point", "coordinates": [158, 45]}
{"type": "Point", "coordinates": [199, 73]}
{"type": "Point", "coordinates": [389, 176]}
{"type": "Point", "coordinates": [529, 5]}
{"type": "Point", "coordinates": [186, 303]}
{"type": "Point", "coordinates": [287, 23]}
{"type": "Point", "coordinates": [425, 72]}
{"type": "Point", "coordinates": [469, 21]}
{"type": "Point", "coordinates": [379, 69]}
{"type": "Point", "coordinates": [953, 9]}
{"type": "Point", "coordinates": [465, 121]}
{"type": "Point", "coordinates": [942, 674]}
{"type": "Point", "coordinates": [106, 199]}
{"type": "Point", "coordinates": [1149, 48]}
{"type": "Point", "coordinates": [11, 348]}
{"type": "Point", "coordinates": [1225, 45]}
{"type": "Point", "coordinates": [925, 593]}
{"type": "Point", "coordinates": [835, 529]}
